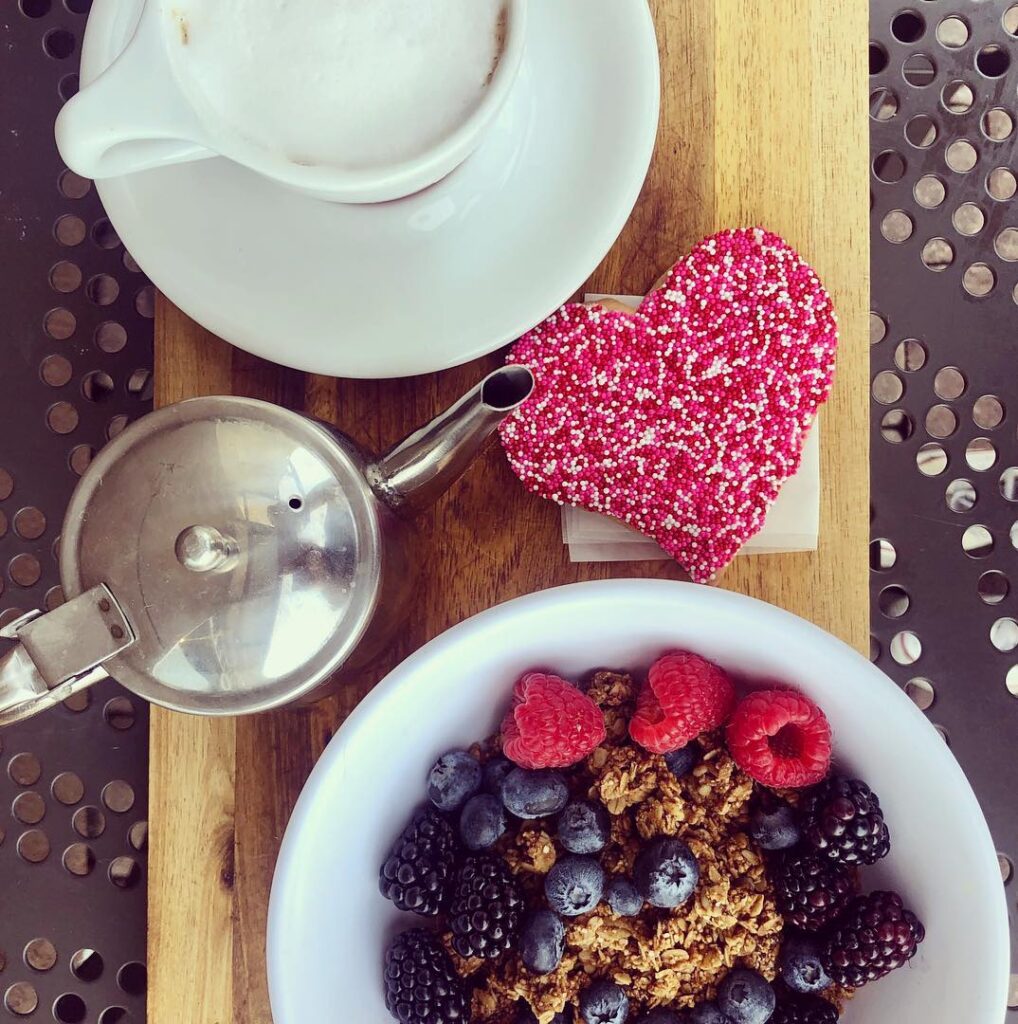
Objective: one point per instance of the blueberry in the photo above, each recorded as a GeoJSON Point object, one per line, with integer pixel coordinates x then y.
{"type": "Point", "coordinates": [542, 941]}
{"type": "Point", "coordinates": [682, 761]}
{"type": "Point", "coordinates": [603, 1002]}
{"type": "Point", "coordinates": [482, 821]}
{"type": "Point", "coordinates": [622, 897]}
{"type": "Point", "coordinates": [666, 873]}
{"type": "Point", "coordinates": [745, 997]}
{"type": "Point", "coordinates": [574, 885]}
{"type": "Point", "coordinates": [494, 773]}
{"type": "Point", "coordinates": [660, 1016]}
{"type": "Point", "coordinates": [454, 777]}
{"type": "Point", "coordinates": [707, 1013]}
{"type": "Point", "coordinates": [800, 965]}
{"type": "Point", "coordinates": [775, 828]}
{"type": "Point", "coordinates": [534, 794]}
{"type": "Point", "coordinates": [584, 827]}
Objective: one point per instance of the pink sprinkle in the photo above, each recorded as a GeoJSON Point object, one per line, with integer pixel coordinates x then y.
{"type": "Point", "coordinates": [685, 418]}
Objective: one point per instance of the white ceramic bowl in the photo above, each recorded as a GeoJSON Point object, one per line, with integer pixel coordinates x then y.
{"type": "Point", "coordinates": [328, 924]}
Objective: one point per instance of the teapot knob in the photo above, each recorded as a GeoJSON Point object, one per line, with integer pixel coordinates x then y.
{"type": "Point", "coordinates": [206, 549]}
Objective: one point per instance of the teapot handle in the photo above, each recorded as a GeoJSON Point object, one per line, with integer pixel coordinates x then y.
{"type": "Point", "coordinates": [60, 653]}
{"type": "Point", "coordinates": [23, 691]}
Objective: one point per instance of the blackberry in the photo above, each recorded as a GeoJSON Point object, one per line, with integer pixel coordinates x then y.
{"type": "Point", "coordinates": [875, 936]}
{"type": "Point", "coordinates": [484, 913]}
{"type": "Point", "coordinates": [811, 892]}
{"type": "Point", "coordinates": [843, 821]}
{"type": "Point", "coordinates": [799, 1009]}
{"type": "Point", "coordinates": [418, 873]}
{"type": "Point", "coordinates": [421, 985]}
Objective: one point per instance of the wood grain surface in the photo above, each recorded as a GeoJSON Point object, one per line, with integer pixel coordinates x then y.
{"type": "Point", "coordinates": [763, 122]}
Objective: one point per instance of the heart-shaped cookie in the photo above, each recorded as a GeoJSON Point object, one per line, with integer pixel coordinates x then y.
{"type": "Point", "coordinates": [684, 417]}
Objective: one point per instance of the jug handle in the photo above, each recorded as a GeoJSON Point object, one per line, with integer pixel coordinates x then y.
{"type": "Point", "coordinates": [132, 117]}
{"type": "Point", "coordinates": [60, 653]}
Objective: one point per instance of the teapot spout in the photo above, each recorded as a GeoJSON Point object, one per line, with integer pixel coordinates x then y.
{"type": "Point", "coordinates": [420, 469]}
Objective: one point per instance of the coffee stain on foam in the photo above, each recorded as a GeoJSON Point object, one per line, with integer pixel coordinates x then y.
{"type": "Point", "coordinates": [183, 26]}
{"type": "Point", "coordinates": [501, 30]}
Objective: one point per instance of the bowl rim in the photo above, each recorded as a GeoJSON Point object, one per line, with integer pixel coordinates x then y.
{"type": "Point", "coordinates": [392, 686]}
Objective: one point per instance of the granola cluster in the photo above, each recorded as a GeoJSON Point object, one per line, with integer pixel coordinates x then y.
{"type": "Point", "coordinates": [662, 958]}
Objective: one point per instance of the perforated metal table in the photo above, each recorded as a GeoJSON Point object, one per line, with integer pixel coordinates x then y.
{"type": "Point", "coordinates": [75, 367]}
{"type": "Point", "coordinates": [944, 334]}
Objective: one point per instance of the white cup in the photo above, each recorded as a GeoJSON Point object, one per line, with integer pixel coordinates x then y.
{"type": "Point", "coordinates": [135, 117]}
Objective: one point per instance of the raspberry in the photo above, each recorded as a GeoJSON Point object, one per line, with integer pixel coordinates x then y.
{"type": "Point", "coordinates": [551, 724]}
{"type": "Point", "coordinates": [781, 739]}
{"type": "Point", "coordinates": [683, 697]}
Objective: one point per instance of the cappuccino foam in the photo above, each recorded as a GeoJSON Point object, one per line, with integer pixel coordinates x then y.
{"type": "Point", "coordinates": [351, 84]}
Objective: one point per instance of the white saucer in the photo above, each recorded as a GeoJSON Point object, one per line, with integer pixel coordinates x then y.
{"type": "Point", "coordinates": [426, 282]}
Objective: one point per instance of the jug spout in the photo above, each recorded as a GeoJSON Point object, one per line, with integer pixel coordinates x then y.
{"type": "Point", "coordinates": [418, 470]}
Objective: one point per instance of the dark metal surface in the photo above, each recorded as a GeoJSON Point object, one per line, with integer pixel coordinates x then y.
{"type": "Point", "coordinates": [75, 367]}
{"type": "Point", "coordinates": [944, 93]}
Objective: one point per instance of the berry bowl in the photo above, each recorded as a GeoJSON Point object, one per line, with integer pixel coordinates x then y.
{"type": "Point", "coordinates": [329, 925]}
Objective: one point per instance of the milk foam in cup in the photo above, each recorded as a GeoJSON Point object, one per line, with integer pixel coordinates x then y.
{"type": "Point", "coordinates": [350, 100]}
{"type": "Point", "coordinates": [342, 83]}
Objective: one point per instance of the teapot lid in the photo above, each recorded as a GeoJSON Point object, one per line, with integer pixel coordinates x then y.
{"type": "Point", "coordinates": [242, 542]}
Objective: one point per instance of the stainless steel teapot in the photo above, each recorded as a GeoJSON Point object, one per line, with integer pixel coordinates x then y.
{"type": "Point", "coordinates": [224, 556]}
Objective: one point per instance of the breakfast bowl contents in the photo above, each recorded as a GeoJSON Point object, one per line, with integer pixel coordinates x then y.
{"type": "Point", "coordinates": [634, 847]}
{"type": "Point", "coordinates": [544, 892]}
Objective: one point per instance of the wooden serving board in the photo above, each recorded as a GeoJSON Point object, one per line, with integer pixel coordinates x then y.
{"type": "Point", "coordinates": [763, 122]}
